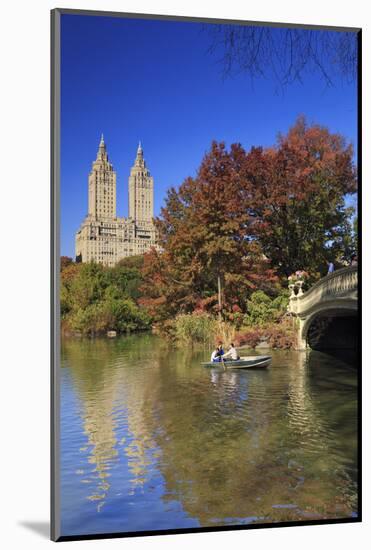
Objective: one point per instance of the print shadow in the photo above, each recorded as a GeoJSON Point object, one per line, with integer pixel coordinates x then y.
{"type": "Point", "coordinates": [42, 528]}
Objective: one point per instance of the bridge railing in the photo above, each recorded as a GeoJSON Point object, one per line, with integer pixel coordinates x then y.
{"type": "Point", "coordinates": [337, 284]}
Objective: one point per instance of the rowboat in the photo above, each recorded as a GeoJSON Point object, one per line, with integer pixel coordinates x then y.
{"type": "Point", "coordinates": [250, 362]}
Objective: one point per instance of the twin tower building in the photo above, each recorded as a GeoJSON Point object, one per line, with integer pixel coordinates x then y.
{"type": "Point", "coordinates": [105, 238]}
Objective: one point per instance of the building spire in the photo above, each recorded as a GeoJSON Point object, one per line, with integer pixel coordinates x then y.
{"type": "Point", "coordinates": [102, 152]}
{"type": "Point", "coordinates": [102, 145]}
{"type": "Point", "coordinates": [139, 161]}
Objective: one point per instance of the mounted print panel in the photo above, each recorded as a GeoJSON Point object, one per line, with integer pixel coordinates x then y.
{"type": "Point", "coordinates": [205, 343]}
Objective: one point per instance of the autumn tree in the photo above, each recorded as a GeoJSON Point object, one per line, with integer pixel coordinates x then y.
{"type": "Point", "coordinates": [299, 189]}
{"type": "Point", "coordinates": [203, 230]}
{"type": "Point", "coordinates": [65, 261]}
{"type": "Point", "coordinates": [249, 216]}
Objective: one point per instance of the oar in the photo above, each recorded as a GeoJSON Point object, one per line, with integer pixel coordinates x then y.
{"type": "Point", "coordinates": [223, 361]}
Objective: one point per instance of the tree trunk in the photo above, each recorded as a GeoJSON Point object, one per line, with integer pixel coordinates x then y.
{"type": "Point", "coordinates": [219, 298]}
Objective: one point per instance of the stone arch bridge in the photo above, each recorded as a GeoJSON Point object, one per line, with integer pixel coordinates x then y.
{"type": "Point", "coordinates": [327, 312]}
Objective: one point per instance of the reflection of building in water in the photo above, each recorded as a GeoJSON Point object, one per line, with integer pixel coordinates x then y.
{"type": "Point", "coordinates": [141, 450]}
{"type": "Point", "coordinates": [228, 449]}
{"type": "Point", "coordinates": [97, 386]}
{"type": "Point", "coordinates": [113, 413]}
{"type": "Point", "coordinates": [135, 398]}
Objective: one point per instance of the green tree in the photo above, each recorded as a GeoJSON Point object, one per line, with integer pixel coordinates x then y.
{"type": "Point", "coordinates": [95, 298]}
{"type": "Point", "coordinates": [262, 309]}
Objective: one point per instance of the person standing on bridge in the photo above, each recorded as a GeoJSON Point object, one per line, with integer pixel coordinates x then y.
{"type": "Point", "coordinates": [331, 267]}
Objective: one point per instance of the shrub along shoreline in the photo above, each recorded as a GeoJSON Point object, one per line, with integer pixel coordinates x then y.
{"type": "Point", "coordinates": [97, 299]}
{"type": "Point", "coordinates": [265, 321]}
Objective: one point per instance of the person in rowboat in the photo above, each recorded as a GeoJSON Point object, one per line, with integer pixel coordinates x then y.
{"type": "Point", "coordinates": [232, 353]}
{"type": "Point", "coordinates": [215, 356]}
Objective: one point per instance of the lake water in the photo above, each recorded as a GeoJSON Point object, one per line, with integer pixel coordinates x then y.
{"type": "Point", "coordinates": [151, 440]}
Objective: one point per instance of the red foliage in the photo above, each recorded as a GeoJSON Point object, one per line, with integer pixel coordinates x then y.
{"type": "Point", "coordinates": [300, 185]}
{"type": "Point", "coordinates": [278, 335]}
{"type": "Point", "coordinates": [248, 216]}
{"type": "Point", "coordinates": [250, 338]}
{"type": "Point", "coordinates": [65, 262]}
{"type": "Point", "coordinates": [203, 233]}
{"type": "Point", "coordinates": [281, 336]}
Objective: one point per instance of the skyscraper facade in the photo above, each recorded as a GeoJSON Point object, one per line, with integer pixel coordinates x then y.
{"type": "Point", "coordinates": [103, 237]}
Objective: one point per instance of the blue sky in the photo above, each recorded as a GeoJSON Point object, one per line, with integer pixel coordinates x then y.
{"type": "Point", "coordinates": [156, 81]}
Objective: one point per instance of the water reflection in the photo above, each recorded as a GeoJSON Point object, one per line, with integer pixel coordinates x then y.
{"type": "Point", "coordinates": [164, 443]}
{"type": "Point", "coordinates": [96, 384]}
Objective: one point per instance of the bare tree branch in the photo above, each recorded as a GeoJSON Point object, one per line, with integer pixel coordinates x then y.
{"type": "Point", "coordinates": [285, 54]}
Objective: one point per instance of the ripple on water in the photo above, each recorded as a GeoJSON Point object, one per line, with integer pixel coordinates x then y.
{"type": "Point", "coordinates": [149, 438]}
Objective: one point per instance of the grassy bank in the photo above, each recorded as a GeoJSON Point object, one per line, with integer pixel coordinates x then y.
{"type": "Point", "coordinates": [265, 320]}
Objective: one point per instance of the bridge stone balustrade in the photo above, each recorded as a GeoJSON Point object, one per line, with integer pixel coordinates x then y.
{"type": "Point", "coordinates": [333, 295]}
